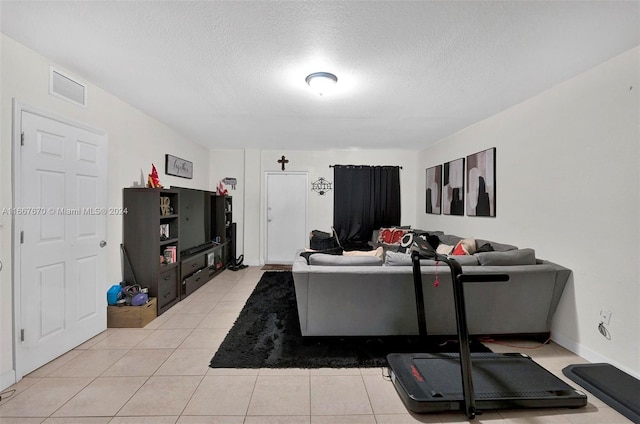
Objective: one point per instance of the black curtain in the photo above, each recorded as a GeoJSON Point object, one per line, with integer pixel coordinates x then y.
{"type": "Point", "coordinates": [364, 198]}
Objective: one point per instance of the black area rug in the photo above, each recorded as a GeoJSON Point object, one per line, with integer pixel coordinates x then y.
{"type": "Point", "coordinates": [267, 335]}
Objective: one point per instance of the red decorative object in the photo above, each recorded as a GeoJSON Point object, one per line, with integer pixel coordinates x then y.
{"type": "Point", "coordinates": [459, 250]}
{"type": "Point", "coordinates": [153, 181]}
{"type": "Point", "coordinates": [221, 190]}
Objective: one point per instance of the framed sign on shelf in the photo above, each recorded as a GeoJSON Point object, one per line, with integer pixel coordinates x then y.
{"type": "Point", "coordinates": [178, 167]}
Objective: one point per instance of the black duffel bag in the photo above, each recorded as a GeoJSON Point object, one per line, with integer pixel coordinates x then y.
{"type": "Point", "coordinates": [320, 240]}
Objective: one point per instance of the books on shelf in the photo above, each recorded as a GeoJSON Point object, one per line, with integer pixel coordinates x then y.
{"type": "Point", "coordinates": [170, 254]}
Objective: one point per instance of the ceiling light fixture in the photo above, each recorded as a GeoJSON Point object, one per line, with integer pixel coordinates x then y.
{"type": "Point", "coordinates": [321, 82]}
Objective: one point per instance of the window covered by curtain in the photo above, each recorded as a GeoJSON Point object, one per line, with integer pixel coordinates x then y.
{"type": "Point", "coordinates": [364, 198]}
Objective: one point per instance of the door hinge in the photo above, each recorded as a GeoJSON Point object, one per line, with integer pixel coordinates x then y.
{"type": "Point", "coordinates": [21, 237]}
{"type": "Point", "coordinates": [22, 139]}
{"type": "Point", "coordinates": [22, 334]}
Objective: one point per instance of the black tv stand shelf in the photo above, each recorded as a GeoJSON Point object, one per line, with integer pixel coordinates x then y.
{"type": "Point", "coordinates": [164, 267]}
{"type": "Point", "coordinates": [195, 250]}
{"type": "Point", "coordinates": [143, 228]}
{"type": "Point", "coordinates": [154, 214]}
{"type": "Point", "coordinates": [199, 268]}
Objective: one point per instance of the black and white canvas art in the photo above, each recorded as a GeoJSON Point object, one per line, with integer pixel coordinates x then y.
{"type": "Point", "coordinates": [481, 183]}
{"type": "Point", "coordinates": [434, 190]}
{"type": "Point", "coordinates": [453, 188]}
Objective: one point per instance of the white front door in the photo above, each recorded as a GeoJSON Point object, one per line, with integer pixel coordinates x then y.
{"type": "Point", "coordinates": [286, 216]}
{"type": "Point", "coordinates": [61, 220]}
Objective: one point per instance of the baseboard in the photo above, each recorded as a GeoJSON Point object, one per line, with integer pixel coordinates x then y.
{"type": "Point", "coordinates": [588, 354]}
{"type": "Point", "coordinates": [7, 379]}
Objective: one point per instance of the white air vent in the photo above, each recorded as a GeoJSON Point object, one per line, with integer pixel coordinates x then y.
{"type": "Point", "coordinates": [66, 87]}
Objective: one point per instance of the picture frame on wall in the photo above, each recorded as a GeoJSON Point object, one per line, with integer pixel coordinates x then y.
{"type": "Point", "coordinates": [453, 187]}
{"type": "Point", "coordinates": [434, 190]}
{"type": "Point", "coordinates": [178, 167]}
{"type": "Point", "coordinates": [481, 183]}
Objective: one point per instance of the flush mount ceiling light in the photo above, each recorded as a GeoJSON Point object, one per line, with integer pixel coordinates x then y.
{"type": "Point", "coordinates": [321, 82]}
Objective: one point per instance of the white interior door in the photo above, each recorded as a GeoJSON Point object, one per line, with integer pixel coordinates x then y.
{"type": "Point", "coordinates": [286, 216]}
{"type": "Point", "coordinates": [61, 219]}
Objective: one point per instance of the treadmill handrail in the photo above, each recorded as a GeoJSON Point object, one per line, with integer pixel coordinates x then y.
{"type": "Point", "coordinates": [458, 279]}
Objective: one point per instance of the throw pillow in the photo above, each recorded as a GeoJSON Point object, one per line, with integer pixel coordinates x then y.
{"type": "Point", "coordinates": [444, 249]}
{"type": "Point", "coordinates": [465, 247]}
{"type": "Point", "coordinates": [391, 235]}
{"type": "Point", "coordinates": [486, 247]}
{"type": "Point", "coordinates": [460, 250]}
{"type": "Point", "coordinates": [469, 245]}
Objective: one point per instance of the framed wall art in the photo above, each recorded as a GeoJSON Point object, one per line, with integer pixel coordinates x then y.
{"type": "Point", "coordinates": [178, 167]}
{"type": "Point", "coordinates": [481, 183]}
{"type": "Point", "coordinates": [434, 190]}
{"type": "Point", "coordinates": [453, 187]}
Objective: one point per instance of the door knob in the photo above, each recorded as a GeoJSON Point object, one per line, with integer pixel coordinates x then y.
{"type": "Point", "coordinates": [103, 243]}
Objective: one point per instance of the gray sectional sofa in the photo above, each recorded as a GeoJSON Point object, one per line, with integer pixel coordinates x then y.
{"type": "Point", "coordinates": [340, 295]}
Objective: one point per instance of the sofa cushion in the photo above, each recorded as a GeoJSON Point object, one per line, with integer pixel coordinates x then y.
{"type": "Point", "coordinates": [403, 259]}
{"type": "Point", "coordinates": [498, 247]}
{"type": "Point", "coordinates": [507, 258]}
{"type": "Point", "coordinates": [341, 260]}
{"type": "Point", "coordinates": [467, 260]}
{"type": "Point", "coordinates": [334, 251]}
{"type": "Point", "coordinates": [376, 252]}
{"type": "Point", "coordinates": [449, 239]}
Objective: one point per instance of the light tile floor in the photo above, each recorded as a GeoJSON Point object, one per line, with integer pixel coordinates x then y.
{"type": "Point", "coordinates": [160, 374]}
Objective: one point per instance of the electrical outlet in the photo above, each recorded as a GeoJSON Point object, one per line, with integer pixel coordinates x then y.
{"type": "Point", "coordinates": [605, 316]}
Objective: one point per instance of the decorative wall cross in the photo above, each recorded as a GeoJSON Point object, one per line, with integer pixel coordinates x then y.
{"type": "Point", "coordinates": [283, 161]}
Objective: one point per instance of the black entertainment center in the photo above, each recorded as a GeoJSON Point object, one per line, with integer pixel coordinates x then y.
{"type": "Point", "coordinates": [177, 240]}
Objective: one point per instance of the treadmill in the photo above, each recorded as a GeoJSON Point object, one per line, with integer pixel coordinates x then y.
{"type": "Point", "coordinates": [472, 382]}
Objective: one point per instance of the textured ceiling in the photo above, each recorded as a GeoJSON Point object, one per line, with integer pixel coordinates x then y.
{"type": "Point", "coordinates": [231, 74]}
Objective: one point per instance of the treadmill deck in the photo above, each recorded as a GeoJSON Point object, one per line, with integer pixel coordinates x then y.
{"type": "Point", "coordinates": [433, 383]}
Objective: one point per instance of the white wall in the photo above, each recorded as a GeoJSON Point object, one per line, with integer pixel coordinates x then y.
{"type": "Point", "coordinates": [255, 163]}
{"type": "Point", "coordinates": [135, 142]}
{"type": "Point", "coordinates": [568, 185]}
{"type": "Point", "coordinates": [230, 163]}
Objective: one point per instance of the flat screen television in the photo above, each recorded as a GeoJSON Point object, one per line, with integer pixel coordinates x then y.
{"type": "Point", "coordinates": [195, 220]}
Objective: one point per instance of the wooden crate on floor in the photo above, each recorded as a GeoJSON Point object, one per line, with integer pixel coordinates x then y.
{"type": "Point", "coordinates": [132, 316]}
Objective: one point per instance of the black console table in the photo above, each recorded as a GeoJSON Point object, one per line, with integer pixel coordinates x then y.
{"type": "Point", "coordinates": [198, 268]}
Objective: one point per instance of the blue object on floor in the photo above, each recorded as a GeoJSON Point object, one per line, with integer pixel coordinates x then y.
{"type": "Point", "coordinates": [614, 387]}
{"type": "Point", "coordinates": [113, 294]}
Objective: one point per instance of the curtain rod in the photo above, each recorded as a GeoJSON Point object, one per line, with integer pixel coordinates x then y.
{"type": "Point", "coordinates": [362, 166]}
